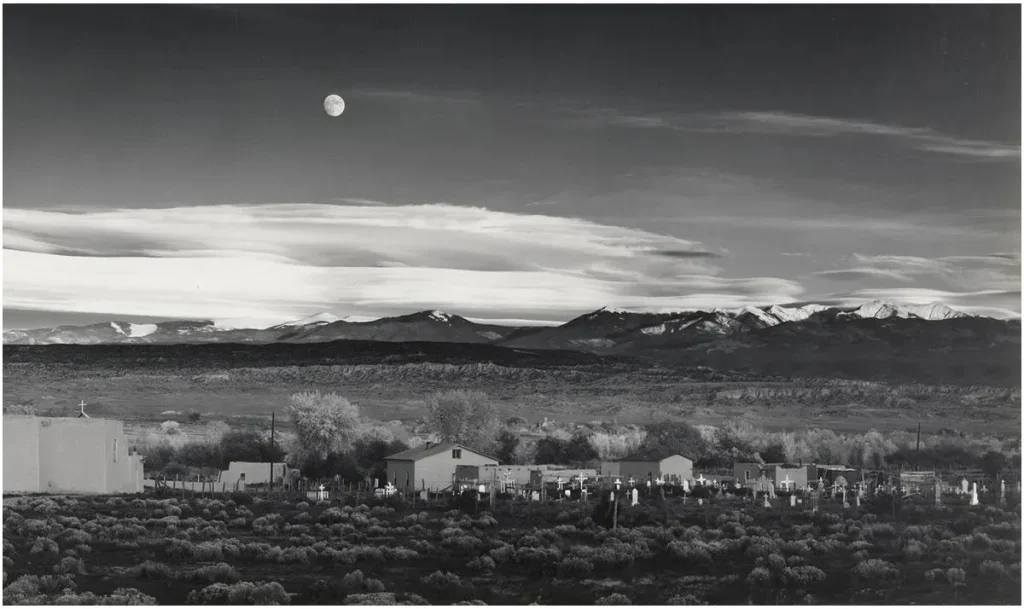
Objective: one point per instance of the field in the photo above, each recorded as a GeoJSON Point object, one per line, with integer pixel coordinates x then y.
{"type": "Point", "coordinates": [199, 550]}
{"type": "Point", "coordinates": [389, 381]}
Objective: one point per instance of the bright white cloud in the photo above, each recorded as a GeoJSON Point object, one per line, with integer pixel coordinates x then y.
{"type": "Point", "coordinates": [286, 261]}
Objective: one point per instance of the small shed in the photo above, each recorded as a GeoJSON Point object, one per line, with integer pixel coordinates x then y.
{"type": "Point", "coordinates": [670, 468]}
{"type": "Point", "coordinates": [433, 465]}
{"type": "Point", "coordinates": [251, 472]}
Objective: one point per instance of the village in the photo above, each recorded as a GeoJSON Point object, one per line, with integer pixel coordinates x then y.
{"type": "Point", "coordinates": [88, 455]}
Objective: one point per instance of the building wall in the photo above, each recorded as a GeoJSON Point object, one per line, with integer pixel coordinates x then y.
{"type": "Point", "coordinates": [438, 470]}
{"type": "Point", "coordinates": [676, 468]}
{"type": "Point", "coordinates": [640, 470]}
{"type": "Point", "coordinates": [797, 474]}
{"type": "Point", "coordinates": [255, 473]}
{"type": "Point", "coordinates": [21, 454]}
{"type": "Point", "coordinates": [75, 455]}
{"type": "Point", "coordinates": [399, 471]}
{"type": "Point", "coordinates": [746, 474]}
{"type": "Point", "coordinates": [71, 455]}
{"type": "Point", "coordinates": [610, 468]}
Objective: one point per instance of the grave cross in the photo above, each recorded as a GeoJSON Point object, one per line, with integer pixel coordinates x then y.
{"type": "Point", "coordinates": [786, 482]}
{"type": "Point", "coordinates": [702, 479]}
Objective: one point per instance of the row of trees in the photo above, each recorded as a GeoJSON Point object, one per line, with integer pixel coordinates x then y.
{"type": "Point", "coordinates": [332, 439]}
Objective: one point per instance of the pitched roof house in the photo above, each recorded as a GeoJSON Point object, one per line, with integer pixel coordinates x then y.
{"type": "Point", "coordinates": [652, 466]}
{"type": "Point", "coordinates": [433, 465]}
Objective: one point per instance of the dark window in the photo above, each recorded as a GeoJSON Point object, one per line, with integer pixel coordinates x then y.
{"type": "Point", "coordinates": [746, 475]}
{"type": "Point", "coordinates": [456, 453]}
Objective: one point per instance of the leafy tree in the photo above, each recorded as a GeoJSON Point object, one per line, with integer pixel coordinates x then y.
{"type": "Point", "coordinates": [249, 446]}
{"type": "Point", "coordinates": [508, 442]}
{"type": "Point", "coordinates": [775, 453]}
{"type": "Point", "coordinates": [673, 437]}
{"type": "Point", "coordinates": [466, 417]}
{"type": "Point", "coordinates": [993, 463]}
{"type": "Point", "coordinates": [576, 451]}
{"type": "Point", "coordinates": [324, 423]}
{"type": "Point", "coordinates": [370, 455]}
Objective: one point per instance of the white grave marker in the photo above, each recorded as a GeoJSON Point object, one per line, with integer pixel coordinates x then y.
{"type": "Point", "coordinates": [636, 497]}
{"type": "Point", "coordinates": [974, 494]}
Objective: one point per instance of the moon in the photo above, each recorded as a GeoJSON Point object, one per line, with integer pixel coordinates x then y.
{"type": "Point", "coordinates": [334, 105]}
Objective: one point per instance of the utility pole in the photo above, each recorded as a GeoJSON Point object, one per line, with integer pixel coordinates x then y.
{"type": "Point", "coordinates": [919, 437]}
{"type": "Point", "coordinates": [271, 446]}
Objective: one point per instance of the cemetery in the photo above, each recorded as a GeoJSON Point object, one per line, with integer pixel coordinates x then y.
{"type": "Point", "coordinates": [574, 544]}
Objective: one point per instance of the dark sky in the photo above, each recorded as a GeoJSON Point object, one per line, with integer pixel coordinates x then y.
{"type": "Point", "coordinates": [752, 131]}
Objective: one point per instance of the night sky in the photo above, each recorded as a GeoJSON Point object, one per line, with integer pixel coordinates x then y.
{"type": "Point", "coordinates": [506, 163]}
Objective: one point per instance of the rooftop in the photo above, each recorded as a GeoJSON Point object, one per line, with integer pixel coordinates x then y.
{"type": "Point", "coordinates": [651, 457]}
{"type": "Point", "coordinates": [430, 449]}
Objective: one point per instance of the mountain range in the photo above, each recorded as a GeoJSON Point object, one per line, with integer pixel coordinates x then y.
{"type": "Point", "coordinates": [876, 341]}
{"type": "Point", "coordinates": [598, 331]}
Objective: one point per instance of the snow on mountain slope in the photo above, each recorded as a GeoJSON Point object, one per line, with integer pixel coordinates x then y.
{"type": "Point", "coordinates": [319, 318]}
{"type": "Point", "coordinates": [140, 330]}
{"type": "Point", "coordinates": [784, 314]}
{"type": "Point", "coordinates": [934, 312]}
{"type": "Point", "coordinates": [884, 310]}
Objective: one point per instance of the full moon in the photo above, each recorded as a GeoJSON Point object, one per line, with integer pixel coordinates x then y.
{"type": "Point", "coordinates": [334, 105]}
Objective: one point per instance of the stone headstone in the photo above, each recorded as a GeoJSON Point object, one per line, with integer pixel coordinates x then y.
{"type": "Point", "coordinates": [424, 496]}
{"type": "Point", "coordinates": [792, 501]}
{"type": "Point", "coordinates": [800, 501]}
{"type": "Point", "coordinates": [636, 497]}
{"type": "Point", "coordinates": [857, 499]}
{"type": "Point", "coordinates": [700, 501]}
{"type": "Point", "coordinates": [535, 496]}
{"type": "Point", "coordinates": [974, 494]}
{"type": "Point", "coordinates": [767, 504]}
{"type": "Point", "coordinates": [686, 485]}
{"type": "Point", "coordinates": [963, 486]}
{"type": "Point", "coordinates": [568, 493]}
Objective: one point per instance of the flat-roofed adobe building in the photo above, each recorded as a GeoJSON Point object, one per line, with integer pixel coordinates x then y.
{"type": "Point", "coordinates": [668, 467]}
{"type": "Point", "coordinates": [68, 456]}
{"type": "Point", "coordinates": [433, 465]}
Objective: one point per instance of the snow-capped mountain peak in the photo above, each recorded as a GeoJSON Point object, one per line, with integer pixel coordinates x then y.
{"type": "Point", "coordinates": [784, 314]}
{"type": "Point", "coordinates": [934, 312]}
{"type": "Point", "coordinates": [133, 330]}
{"type": "Point", "coordinates": [319, 318]}
{"type": "Point", "coordinates": [878, 309]}
{"type": "Point", "coordinates": [440, 316]}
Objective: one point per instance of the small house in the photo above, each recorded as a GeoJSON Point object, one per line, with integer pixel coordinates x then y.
{"type": "Point", "coordinates": [670, 468]}
{"type": "Point", "coordinates": [433, 465]}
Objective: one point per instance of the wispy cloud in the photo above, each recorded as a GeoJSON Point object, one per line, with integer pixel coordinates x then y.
{"type": "Point", "coordinates": [685, 254]}
{"type": "Point", "coordinates": [417, 96]}
{"type": "Point", "coordinates": [802, 125]}
{"type": "Point", "coordinates": [861, 274]}
{"type": "Point", "coordinates": [286, 261]}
